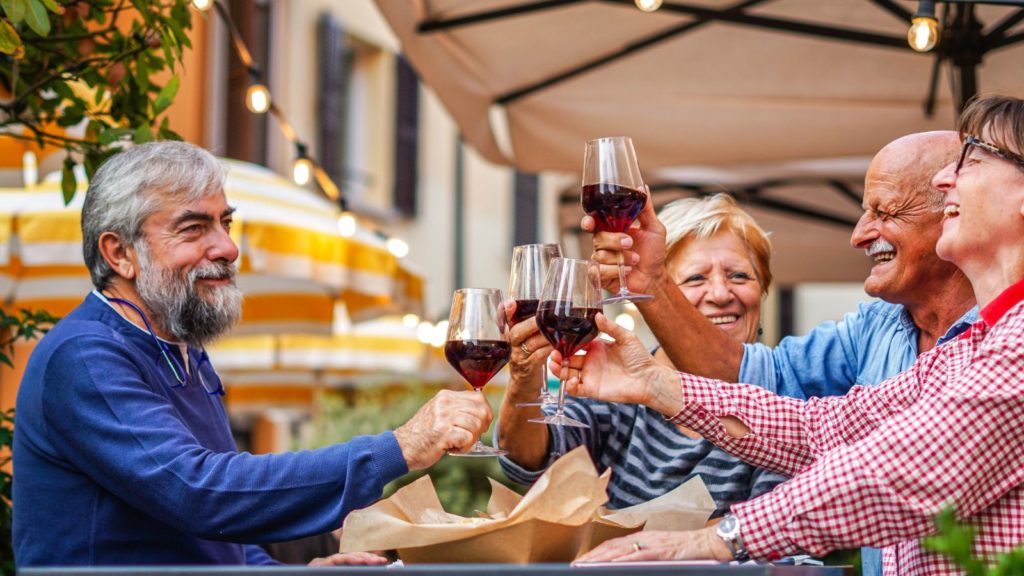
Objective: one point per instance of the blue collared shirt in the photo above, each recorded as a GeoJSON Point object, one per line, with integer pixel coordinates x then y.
{"type": "Point", "coordinates": [868, 346]}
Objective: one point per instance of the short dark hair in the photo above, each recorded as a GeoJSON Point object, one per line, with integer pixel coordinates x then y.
{"type": "Point", "coordinates": [1002, 115]}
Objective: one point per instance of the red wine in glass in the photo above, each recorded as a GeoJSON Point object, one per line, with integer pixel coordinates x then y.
{"type": "Point", "coordinates": [568, 328]}
{"type": "Point", "coordinates": [566, 316]}
{"type": "Point", "coordinates": [530, 263]}
{"type": "Point", "coordinates": [477, 360]}
{"type": "Point", "coordinates": [614, 207]}
{"type": "Point", "coordinates": [477, 345]}
{"type": "Point", "coordinates": [613, 194]}
{"type": "Point", "coordinates": [526, 308]}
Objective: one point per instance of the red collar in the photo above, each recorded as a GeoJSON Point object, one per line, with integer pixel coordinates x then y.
{"type": "Point", "coordinates": [1002, 303]}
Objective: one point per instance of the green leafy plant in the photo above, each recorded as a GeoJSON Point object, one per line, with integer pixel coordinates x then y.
{"type": "Point", "coordinates": [956, 540]}
{"type": "Point", "coordinates": [27, 325]}
{"type": "Point", "coordinates": [92, 67]}
{"type": "Point", "coordinates": [461, 483]}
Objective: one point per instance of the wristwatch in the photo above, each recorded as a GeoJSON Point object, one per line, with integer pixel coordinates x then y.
{"type": "Point", "coordinates": [729, 531]}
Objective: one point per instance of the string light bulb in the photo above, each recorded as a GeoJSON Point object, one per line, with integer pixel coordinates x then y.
{"type": "Point", "coordinates": [648, 5]}
{"type": "Point", "coordinates": [924, 28]}
{"type": "Point", "coordinates": [257, 98]}
{"type": "Point", "coordinates": [410, 320]}
{"type": "Point", "coordinates": [29, 168]}
{"type": "Point", "coordinates": [202, 5]}
{"type": "Point", "coordinates": [346, 224]}
{"type": "Point", "coordinates": [398, 247]}
{"type": "Point", "coordinates": [302, 167]}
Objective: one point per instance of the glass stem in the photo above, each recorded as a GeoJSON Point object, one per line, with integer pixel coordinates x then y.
{"type": "Point", "coordinates": [544, 380]}
{"type": "Point", "coordinates": [561, 387]}
{"type": "Point", "coordinates": [622, 274]}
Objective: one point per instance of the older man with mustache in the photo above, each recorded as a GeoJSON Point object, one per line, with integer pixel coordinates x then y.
{"type": "Point", "coordinates": [925, 301]}
{"type": "Point", "coordinates": [123, 454]}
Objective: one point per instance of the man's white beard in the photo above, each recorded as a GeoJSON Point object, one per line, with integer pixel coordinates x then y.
{"type": "Point", "coordinates": [176, 305]}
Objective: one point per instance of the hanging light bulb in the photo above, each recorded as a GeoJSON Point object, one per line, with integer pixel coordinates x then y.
{"type": "Point", "coordinates": [924, 28]}
{"type": "Point", "coordinates": [398, 247]}
{"type": "Point", "coordinates": [302, 167]}
{"type": "Point", "coordinates": [648, 5]}
{"type": "Point", "coordinates": [29, 168]}
{"type": "Point", "coordinates": [346, 224]}
{"type": "Point", "coordinates": [424, 332]}
{"type": "Point", "coordinates": [202, 5]}
{"type": "Point", "coordinates": [257, 98]}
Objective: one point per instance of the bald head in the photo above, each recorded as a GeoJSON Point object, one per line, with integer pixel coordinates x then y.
{"type": "Point", "coordinates": [910, 162]}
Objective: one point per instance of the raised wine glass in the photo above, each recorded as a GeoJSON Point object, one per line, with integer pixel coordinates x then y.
{"type": "Point", "coordinates": [530, 263]}
{"type": "Point", "coordinates": [613, 194]}
{"type": "Point", "coordinates": [566, 316]}
{"type": "Point", "coordinates": [477, 345]}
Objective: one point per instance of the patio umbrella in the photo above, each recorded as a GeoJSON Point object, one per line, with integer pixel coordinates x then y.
{"type": "Point", "coordinates": [295, 267]}
{"type": "Point", "coordinates": [710, 82]}
{"type": "Point", "coordinates": [779, 102]}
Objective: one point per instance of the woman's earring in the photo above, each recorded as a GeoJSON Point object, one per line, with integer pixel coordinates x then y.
{"type": "Point", "coordinates": [760, 330]}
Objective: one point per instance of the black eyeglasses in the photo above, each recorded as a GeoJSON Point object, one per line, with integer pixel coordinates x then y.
{"type": "Point", "coordinates": [995, 151]}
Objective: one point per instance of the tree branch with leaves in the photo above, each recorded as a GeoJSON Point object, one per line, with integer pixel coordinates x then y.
{"type": "Point", "coordinates": [85, 75]}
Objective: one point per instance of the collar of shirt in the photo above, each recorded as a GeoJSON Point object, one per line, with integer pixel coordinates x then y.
{"type": "Point", "coordinates": [1002, 303]}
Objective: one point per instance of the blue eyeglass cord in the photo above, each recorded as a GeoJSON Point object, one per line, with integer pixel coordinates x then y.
{"type": "Point", "coordinates": [165, 350]}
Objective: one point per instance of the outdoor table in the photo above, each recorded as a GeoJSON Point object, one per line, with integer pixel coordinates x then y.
{"type": "Point", "coordinates": [627, 569]}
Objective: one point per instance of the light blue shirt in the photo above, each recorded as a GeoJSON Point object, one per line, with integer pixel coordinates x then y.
{"type": "Point", "coordinates": [868, 346]}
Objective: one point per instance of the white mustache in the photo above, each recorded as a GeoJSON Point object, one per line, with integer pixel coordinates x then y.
{"type": "Point", "coordinates": [213, 271]}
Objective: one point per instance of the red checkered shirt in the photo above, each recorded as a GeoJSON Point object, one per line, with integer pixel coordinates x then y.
{"type": "Point", "coordinates": [874, 467]}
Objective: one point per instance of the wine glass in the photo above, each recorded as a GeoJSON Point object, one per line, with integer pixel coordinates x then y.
{"type": "Point", "coordinates": [530, 263]}
{"type": "Point", "coordinates": [613, 194]}
{"type": "Point", "coordinates": [566, 316]}
{"type": "Point", "coordinates": [477, 345]}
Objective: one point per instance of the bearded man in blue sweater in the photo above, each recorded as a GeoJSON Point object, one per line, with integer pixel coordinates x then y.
{"type": "Point", "coordinates": [123, 454]}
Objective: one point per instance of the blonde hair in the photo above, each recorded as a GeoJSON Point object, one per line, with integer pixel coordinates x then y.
{"type": "Point", "coordinates": [701, 218]}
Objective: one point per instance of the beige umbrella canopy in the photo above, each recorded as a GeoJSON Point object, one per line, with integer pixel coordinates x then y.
{"type": "Point", "coordinates": [780, 102]}
{"type": "Point", "coordinates": [709, 82]}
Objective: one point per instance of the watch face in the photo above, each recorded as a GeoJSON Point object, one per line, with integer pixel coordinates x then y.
{"type": "Point", "coordinates": [728, 527]}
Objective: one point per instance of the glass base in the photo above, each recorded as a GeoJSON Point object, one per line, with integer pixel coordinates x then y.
{"type": "Point", "coordinates": [479, 450]}
{"type": "Point", "coordinates": [560, 420]}
{"type": "Point", "coordinates": [625, 295]}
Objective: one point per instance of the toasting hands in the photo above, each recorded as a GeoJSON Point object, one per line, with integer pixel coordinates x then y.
{"type": "Point", "coordinates": [620, 371]}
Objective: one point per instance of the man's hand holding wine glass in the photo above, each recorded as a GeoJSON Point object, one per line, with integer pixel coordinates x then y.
{"type": "Point", "coordinates": [449, 421]}
{"type": "Point", "coordinates": [620, 371]}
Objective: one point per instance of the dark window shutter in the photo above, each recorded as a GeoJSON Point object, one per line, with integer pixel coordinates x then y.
{"type": "Point", "coordinates": [527, 209]}
{"type": "Point", "coordinates": [335, 65]}
{"type": "Point", "coordinates": [407, 103]}
{"type": "Point", "coordinates": [246, 135]}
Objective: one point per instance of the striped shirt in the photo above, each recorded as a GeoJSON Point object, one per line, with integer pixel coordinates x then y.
{"type": "Point", "coordinates": [649, 456]}
{"type": "Point", "coordinates": [877, 465]}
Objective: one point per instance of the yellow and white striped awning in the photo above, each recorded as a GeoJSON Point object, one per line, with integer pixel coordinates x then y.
{"type": "Point", "coordinates": [295, 267]}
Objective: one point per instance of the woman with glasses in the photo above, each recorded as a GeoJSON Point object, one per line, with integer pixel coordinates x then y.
{"type": "Point", "coordinates": [719, 257]}
{"type": "Point", "coordinates": [874, 467]}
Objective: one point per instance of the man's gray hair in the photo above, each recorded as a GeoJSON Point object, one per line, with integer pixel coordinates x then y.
{"type": "Point", "coordinates": [135, 183]}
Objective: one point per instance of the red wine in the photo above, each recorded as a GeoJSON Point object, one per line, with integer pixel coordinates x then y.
{"type": "Point", "coordinates": [524, 310]}
{"type": "Point", "coordinates": [477, 360]}
{"type": "Point", "coordinates": [567, 327]}
{"type": "Point", "coordinates": [613, 206]}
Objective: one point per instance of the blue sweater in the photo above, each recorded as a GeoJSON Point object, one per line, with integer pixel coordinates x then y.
{"type": "Point", "coordinates": [113, 465]}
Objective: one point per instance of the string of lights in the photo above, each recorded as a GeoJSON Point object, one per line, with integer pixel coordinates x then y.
{"type": "Point", "coordinates": [304, 168]}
